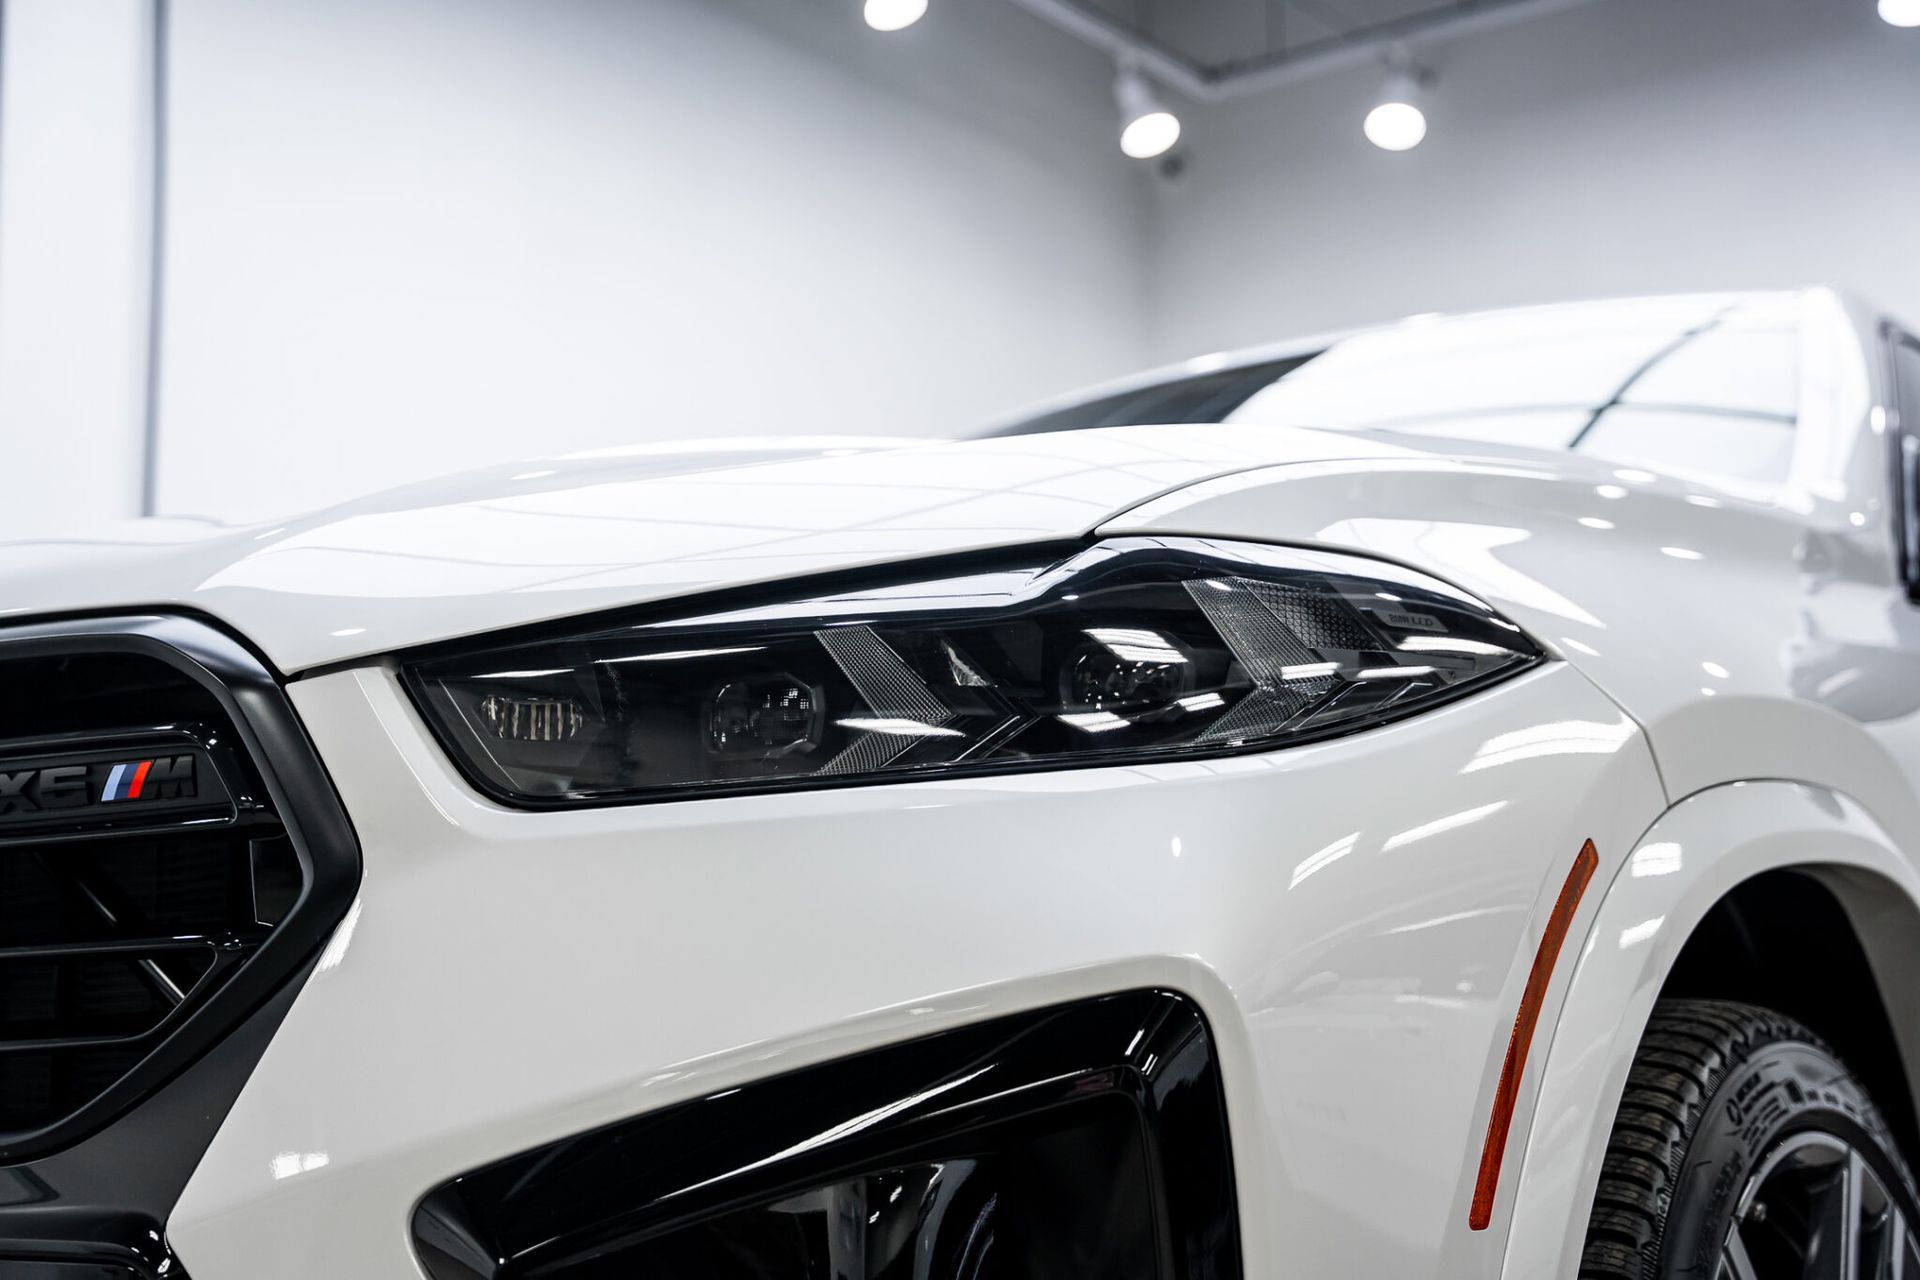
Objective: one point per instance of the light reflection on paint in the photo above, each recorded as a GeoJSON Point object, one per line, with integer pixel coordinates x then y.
{"type": "Point", "coordinates": [1438, 1002]}
{"type": "Point", "coordinates": [289, 1163]}
{"type": "Point", "coordinates": [1454, 917]}
{"type": "Point", "coordinates": [1659, 859]}
{"type": "Point", "coordinates": [1465, 817]}
{"type": "Point", "coordinates": [1323, 858]}
{"type": "Point", "coordinates": [1479, 551]}
{"type": "Point", "coordinates": [1566, 737]}
{"type": "Point", "coordinates": [342, 939]}
{"type": "Point", "coordinates": [1635, 934]}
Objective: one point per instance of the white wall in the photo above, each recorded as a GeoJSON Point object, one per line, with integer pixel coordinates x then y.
{"type": "Point", "coordinates": [404, 238]}
{"type": "Point", "coordinates": [409, 236]}
{"type": "Point", "coordinates": [1618, 147]}
{"type": "Point", "coordinates": [75, 135]}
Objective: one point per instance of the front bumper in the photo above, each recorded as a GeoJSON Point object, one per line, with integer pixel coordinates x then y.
{"type": "Point", "coordinates": [1352, 919]}
{"type": "Point", "coordinates": [1083, 1140]}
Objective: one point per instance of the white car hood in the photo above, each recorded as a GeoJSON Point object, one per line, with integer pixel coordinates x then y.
{"type": "Point", "coordinates": [550, 539]}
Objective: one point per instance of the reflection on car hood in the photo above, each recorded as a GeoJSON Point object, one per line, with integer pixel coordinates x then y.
{"type": "Point", "coordinates": [548, 539]}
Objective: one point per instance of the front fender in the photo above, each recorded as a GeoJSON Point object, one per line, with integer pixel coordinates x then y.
{"type": "Point", "coordinates": [1687, 861]}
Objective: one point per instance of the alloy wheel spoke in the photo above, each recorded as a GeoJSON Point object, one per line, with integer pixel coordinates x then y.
{"type": "Point", "coordinates": [1734, 1262]}
{"type": "Point", "coordinates": [1831, 1244]}
{"type": "Point", "coordinates": [1851, 1183]}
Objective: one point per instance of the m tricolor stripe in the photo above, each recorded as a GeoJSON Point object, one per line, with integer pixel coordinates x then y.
{"type": "Point", "coordinates": [126, 781]}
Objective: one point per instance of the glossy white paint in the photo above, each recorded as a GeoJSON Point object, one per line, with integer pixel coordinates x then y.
{"type": "Point", "coordinates": [1356, 917]}
{"type": "Point", "coordinates": [1698, 851]}
{"type": "Point", "coordinates": [548, 538]}
{"type": "Point", "coordinates": [1754, 635]}
{"type": "Point", "coordinates": [1353, 916]}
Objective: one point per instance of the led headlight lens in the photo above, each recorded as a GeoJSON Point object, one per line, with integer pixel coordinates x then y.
{"type": "Point", "coordinates": [1133, 649]}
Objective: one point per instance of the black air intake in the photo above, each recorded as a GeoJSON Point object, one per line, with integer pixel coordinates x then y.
{"type": "Point", "coordinates": [1082, 1142]}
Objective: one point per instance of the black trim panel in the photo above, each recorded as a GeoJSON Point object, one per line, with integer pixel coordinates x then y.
{"type": "Point", "coordinates": [96, 1187]}
{"type": "Point", "coordinates": [104, 1201]}
{"type": "Point", "coordinates": [597, 1203]}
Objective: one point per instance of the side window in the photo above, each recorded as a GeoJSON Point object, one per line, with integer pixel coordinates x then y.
{"type": "Point", "coordinates": [1906, 407]}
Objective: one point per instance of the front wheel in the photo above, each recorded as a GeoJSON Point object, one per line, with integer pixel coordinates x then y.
{"type": "Point", "coordinates": [1744, 1150]}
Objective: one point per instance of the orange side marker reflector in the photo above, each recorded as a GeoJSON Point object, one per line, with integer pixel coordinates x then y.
{"type": "Point", "coordinates": [1501, 1118]}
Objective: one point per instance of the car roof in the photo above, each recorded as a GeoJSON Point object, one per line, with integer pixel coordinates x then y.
{"type": "Point", "coordinates": [1294, 348]}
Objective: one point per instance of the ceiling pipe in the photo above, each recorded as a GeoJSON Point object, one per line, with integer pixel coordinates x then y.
{"type": "Point", "coordinates": [1202, 84]}
{"type": "Point", "coordinates": [1124, 45]}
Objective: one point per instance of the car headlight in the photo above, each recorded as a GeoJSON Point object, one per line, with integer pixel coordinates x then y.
{"type": "Point", "coordinates": [1129, 650]}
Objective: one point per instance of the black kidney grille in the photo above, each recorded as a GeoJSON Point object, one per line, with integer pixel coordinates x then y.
{"type": "Point", "coordinates": [118, 921]}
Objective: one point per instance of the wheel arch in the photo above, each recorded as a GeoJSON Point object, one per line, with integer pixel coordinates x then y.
{"type": "Point", "coordinates": [1791, 939]}
{"type": "Point", "coordinates": [1721, 859]}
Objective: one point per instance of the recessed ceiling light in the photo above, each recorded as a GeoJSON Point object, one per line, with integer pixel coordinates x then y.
{"type": "Point", "coordinates": [1901, 13]}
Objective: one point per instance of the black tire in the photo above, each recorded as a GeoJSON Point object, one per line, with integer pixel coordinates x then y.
{"type": "Point", "coordinates": [1718, 1093]}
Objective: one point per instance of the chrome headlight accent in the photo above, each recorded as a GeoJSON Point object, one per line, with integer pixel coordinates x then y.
{"type": "Point", "coordinates": [1132, 649]}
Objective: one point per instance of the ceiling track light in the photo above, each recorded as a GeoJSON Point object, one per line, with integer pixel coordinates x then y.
{"type": "Point", "coordinates": [1147, 128]}
{"type": "Point", "coordinates": [1398, 121]}
{"type": "Point", "coordinates": [894, 15]}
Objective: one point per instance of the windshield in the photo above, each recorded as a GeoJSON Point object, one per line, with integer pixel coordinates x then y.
{"type": "Point", "coordinates": [1205, 397]}
{"type": "Point", "coordinates": [1703, 386]}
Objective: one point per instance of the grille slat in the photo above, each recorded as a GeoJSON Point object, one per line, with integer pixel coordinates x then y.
{"type": "Point", "coordinates": [107, 986]}
{"type": "Point", "coordinates": [139, 946]}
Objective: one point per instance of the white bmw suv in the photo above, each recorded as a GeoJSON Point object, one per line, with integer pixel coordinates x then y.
{"type": "Point", "coordinates": [1445, 807]}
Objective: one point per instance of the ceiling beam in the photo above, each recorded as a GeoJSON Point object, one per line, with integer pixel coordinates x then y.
{"type": "Point", "coordinates": [1371, 45]}
{"type": "Point", "coordinates": [1124, 44]}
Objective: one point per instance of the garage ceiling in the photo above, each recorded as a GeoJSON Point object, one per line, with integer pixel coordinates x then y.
{"type": "Point", "coordinates": [1220, 37]}
{"type": "Point", "coordinates": [1219, 46]}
